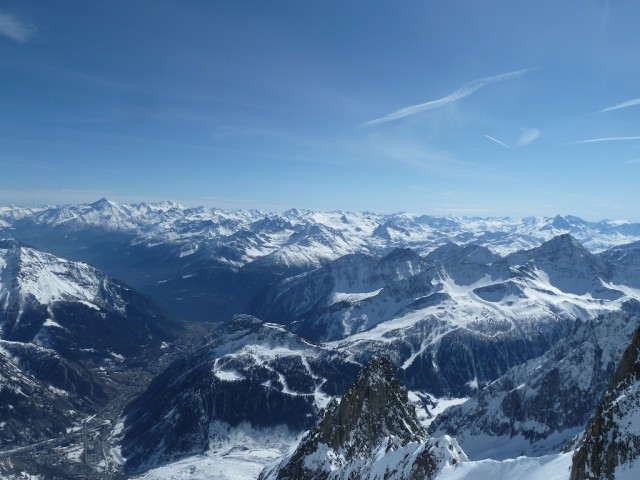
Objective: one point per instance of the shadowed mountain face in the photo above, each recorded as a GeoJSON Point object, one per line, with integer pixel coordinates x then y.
{"type": "Point", "coordinates": [42, 394]}
{"type": "Point", "coordinates": [373, 428]}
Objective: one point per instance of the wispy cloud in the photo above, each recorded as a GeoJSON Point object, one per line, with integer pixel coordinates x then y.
{"type": "Point", "coordinates": [528, 136]}
{"type": "Point", "coordinates": [497, 141]}
{"type": "Point", "coordinates": [15, 29]}
{"type": "Point", "coordinates": [632, 162]}
{"type": "Point", "coordinates": [607, 139]}
{"type": "Point", "coordinates": [464, 91]}
{"type": "Point", "coordinates": [628, 103]}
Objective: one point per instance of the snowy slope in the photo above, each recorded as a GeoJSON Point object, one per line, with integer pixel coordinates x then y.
{"type": "Point", "coordinates": [311, 303]}
{"type": "Point", "coordinates": [58, 320]}
{"type": "Point", "coordinates": [159, 247]}
{"type": "Point", "coordinates": [548, 467]}
{"type": "Point", "coordinates": [30, 409]}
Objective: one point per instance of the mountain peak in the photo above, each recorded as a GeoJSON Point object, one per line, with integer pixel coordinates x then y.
{"type": "Point", "coordinates": [376, 406]}
{"type": "Point", "coordinates": [244, 322]}
{"type": "Point", "coordinates": [373, 428]}
{"type": "Point", "coordinates": [561, 223]}
{"type": "Point", "coordinates": [451, 252]}
{"type": "Point", "coordinates": [564, 245]}
{"type": "Point", "coordinates": [9, 243]}
{"type": "Point", "coordinates": [101, 203]}
{"type": "Point", "coordinates": [564, 239]}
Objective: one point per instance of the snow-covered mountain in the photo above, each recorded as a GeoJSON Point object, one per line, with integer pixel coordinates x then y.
{"type": "Point", "coordinates": [312, 302]}
{"type": "Point", "coordinates": [509, 312]}
{"type": "Point", "coordinates": [74, 308]}
{"type": "Point", "coordinates": [371, 432]}
{"type": "Point", "coordinates": [455, 319]}
{"type": "Point", "coordinates": [317, 236]}
{"type": "Point", "coordinates": [451, 322]}
{"type": "Point", "coordinates": [42, 394]}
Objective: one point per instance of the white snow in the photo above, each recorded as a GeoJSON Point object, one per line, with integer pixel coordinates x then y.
{"type": "Point", "coordinates": [234, 466]}
{"type": "Point", "coordinates": [306, 238]}
{"type": "Point", "coordinates": [352, 297]}
{"type": "Point", "coordinates": [50, 279]}
{"type": "Point", "coordinates": [550, 467]}
{"type": "Point", "coordinates": [628, 471]}
{"type": "Point", "coordinates": [49, 322]}
{"type": "Point", "coordinates": [228, 375]}
{"type": "Point", "coordinates": [240, 453]}
{"type": "Point", "coordinates": [75, 453]}
{"type": "Point", "coordinates": [443, 404]}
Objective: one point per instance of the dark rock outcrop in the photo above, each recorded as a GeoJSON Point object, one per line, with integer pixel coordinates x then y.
{"type": "Point", "coordinates": [373, 432]}
{"type": "Point", "coordinates": [611, 443]}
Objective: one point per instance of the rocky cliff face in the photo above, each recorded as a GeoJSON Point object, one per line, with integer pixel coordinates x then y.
{"type": "Point", "coordinates": [610, 448]}
{"type": "Point", "coordinates": [537, 407]}
{"type": "Point", "coordinates": [373, 432]}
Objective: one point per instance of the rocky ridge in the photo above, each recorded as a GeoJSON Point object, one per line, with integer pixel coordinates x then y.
{"type": "Point", "coordinates": [610, 448]}
{"type": "Point", "coordinates": [372, 432]}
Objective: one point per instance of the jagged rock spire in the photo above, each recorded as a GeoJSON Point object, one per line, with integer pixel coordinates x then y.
{"type": "Point", "coordinates": [350, 440]}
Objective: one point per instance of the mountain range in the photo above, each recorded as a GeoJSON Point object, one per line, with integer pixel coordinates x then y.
{"type": "Point", "coordinates": [517, 326]}
{"type": "Point", "coordinates": [207, 264]}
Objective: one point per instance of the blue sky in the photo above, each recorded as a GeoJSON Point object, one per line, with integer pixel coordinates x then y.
{"type": "Point", "coordinates": [488, 108]}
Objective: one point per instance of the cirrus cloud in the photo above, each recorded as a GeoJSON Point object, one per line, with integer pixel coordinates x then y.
{"type": "Point", "coordinates": [15, 29]}
{"type": "Point", "coordinates": [528, 136]}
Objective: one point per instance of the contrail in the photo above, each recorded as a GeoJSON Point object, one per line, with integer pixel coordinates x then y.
{"type": "Point", "coordinates": [464, 91]}
{"type": "Point", "coordinates": [607, 139]}
{"type": "Point", "coordinates": [628, 103]}
{"type": "Point", "coordinates": [497, 141]}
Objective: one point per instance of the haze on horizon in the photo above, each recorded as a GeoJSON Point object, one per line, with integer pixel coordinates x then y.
{"type": "Point", "coordinates": [462, 107]}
